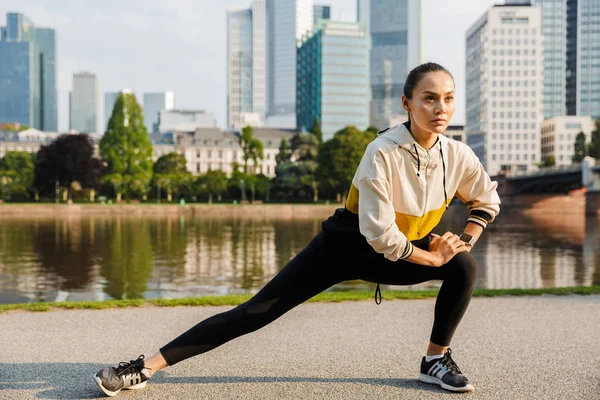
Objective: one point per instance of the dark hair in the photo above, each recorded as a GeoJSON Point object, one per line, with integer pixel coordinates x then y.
{"type": "Point", "coordinates": [415, 76]}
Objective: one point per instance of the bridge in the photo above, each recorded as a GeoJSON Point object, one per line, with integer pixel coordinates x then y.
{"type": "Point", "coordinates": [556, 181]}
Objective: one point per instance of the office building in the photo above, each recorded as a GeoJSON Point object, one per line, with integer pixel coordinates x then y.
{"type": "Point", "coordinates": [239, 65]}
{"type": "Point", "coordinates": [287, 22]}
{"type": "Point", "coordinates": [333, 78]}
{"type": "Point", "coordinates": [84, 103]}
{"type": "Point", "coordinates": [28, 74]}
{"type": "Point", "coordinates": [395, 30]}
{"type": "Point", "coordinates": [153, 104]}
{"type": "Point", "coordinates": [185, 120]}
{"type": "Point", "coordinates": [504, 67]}
{"type": "Point", "coordinates": [558, 137]}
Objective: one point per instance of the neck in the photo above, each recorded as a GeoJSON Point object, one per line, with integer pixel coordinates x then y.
{"type": "Point", "coordinates": [425, 139]}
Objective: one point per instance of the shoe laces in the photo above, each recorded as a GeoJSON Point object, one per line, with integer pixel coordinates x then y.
{"type": "Point", "coordinates": [131, 367]}
{"type": "Point", "coordinates": [449, 363]}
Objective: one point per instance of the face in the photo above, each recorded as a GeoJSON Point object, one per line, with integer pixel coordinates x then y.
{"type": "Point", "coordinates": [432, 103]}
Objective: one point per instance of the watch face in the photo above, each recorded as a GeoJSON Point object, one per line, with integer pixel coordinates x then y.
{"type": "Point", "coordinates": [465, 237]}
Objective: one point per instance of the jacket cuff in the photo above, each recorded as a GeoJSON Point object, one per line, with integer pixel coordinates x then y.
{"type": "Point", "coordinates": [408, 250]}
{"type": "Point", "coordinates": [479, 217]}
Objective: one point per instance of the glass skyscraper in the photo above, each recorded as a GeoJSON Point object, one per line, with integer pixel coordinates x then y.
{"type": "Point", "coordinates": [28, 74]}
{"type": "Point", "coordinates": [554, 29]}
{"type": "Point", "coordinates": [239, 65]}
{"type": "Point", "coordinates": [395, 29]}
{"type": "Point", "coordinates": [588, 58]}
{"type": "Point", "coordinates": [332, 78]}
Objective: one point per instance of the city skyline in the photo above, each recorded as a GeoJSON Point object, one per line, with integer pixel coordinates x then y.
{"type": "Point", "coordinates": [188, 54]}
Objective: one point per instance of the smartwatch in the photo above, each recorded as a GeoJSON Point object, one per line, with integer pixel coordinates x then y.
{"type": "Point", "coordinates": [468, 239]}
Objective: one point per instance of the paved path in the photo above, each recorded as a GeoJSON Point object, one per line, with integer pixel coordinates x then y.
{"type": "Point", "coordinates": [511, 348]}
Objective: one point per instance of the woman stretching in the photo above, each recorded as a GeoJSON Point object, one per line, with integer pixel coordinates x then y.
{"type": "Point", "coordinates": [404, 183]}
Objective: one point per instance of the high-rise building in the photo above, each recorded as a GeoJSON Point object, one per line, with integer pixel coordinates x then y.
{"type": "Point", "coordinates": [85, 107]}
{"type": "Point", "coordinates": [554, 30]}
{"type": "Point", "coordinates": [395, 29]}
{"type": "Point", "coordinates": [321, 12]}
{"type": "Point", "coordinates": [28, 74]}
{"type": "Point", "coordinates": [153, 104]}
{"type": "Point", "coordinates": [571, 61]}
{"type": "Point", "coordinates": [505, 87]}
{"type": "Point", "coordinates": [287, 22]}
{"type": "Point", "coordinates": [587, 55]}
{"type": "Point", "coordinates": [239, 64]}
{"type": "Point", "coordinates": [333, 78]}
{"type": "Point", "coordinates": [259, 59]}
{"type": "Point", "coordinates": [571, 72]}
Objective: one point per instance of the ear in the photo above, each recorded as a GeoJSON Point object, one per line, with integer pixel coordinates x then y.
{"type": "Point", "coordinates": [405, 104]}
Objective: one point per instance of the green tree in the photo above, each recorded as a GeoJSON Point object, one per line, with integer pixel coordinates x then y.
{"type": "Point", "coordinates": [252, 148]}
{"type": "Point", "coordinates": [548, 162]}
{"type": "Point", "coordinates": [339, 158]}
{"type": "Point", "coordinates": [580, 148]}
{"type": "Point", "coordinates": [373, 129]}
{"type": "Point", "coordinates": [126, 149]}
{"type": "Point", "coordinates": [594, 146]}
{"type": "Point", "coordinates": [305, 147]}
{"type": "Point", "coordinates": [68, 159]}
{"type": "Point", "coordinates": [215, 182]}
{"type": "Point", "coordinates": [316, 130]}
{"type": "Point", "coordinates": [171, 174]}
{"type": "Point", "coordinates": [17, 174]}
{"type": "Point", "coordinates": [285, 152]}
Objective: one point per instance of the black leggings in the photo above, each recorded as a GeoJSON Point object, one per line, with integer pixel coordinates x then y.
{"type": "Point", "coordinates": [327, 260]}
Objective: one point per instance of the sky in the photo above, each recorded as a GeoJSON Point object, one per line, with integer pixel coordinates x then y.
{"type": "Point", "coordinates": [180, 45]}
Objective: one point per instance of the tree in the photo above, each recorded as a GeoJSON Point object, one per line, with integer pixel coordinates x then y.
{"type": "Point", "coordinates": [171, 174]}
{"type": "Point", "coordinates": [316, 130]}
{"type": "Point", "coordinates": [339, 158]}
{"type": "Point", "coordinates": [373, 129]}
{"type": "Point", "coordinates": [17, 173]}
{"type": "Point", "coordinates": [126, 149]}
{"type": "Point", "coordinates": [580, 148]}
{"type": "Point", "coordinates": [215, 182]}
{"type": "Point", "coordinates": [252, 148]}
{"type": "Point", "coordinates": [68, 159]}
{"type": "Point", "coordinates": [594, 146]}
{"type": "Point", "coordinates": [305, 147]}
{"type": "Point", "coordinates": [285, 152]}
{"type": "Point", "coordinates": [549, 161]}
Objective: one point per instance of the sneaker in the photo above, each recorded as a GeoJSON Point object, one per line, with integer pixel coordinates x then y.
{"type": "Point", "coordinates": [126, 375]}
{"type": "Point", "coordinates": [444, 372]}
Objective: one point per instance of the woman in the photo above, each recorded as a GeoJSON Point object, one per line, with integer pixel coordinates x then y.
{"type": "Point", "coordinates": [404, 183]}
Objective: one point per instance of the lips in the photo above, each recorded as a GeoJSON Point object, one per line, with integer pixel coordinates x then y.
{"type": "Point", "coordinates": [439, 120]}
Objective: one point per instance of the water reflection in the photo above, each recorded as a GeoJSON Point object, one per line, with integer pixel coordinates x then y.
{"type": "Point", "coordinates": [124, 257]}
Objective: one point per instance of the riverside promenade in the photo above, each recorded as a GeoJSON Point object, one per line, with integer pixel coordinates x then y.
{"type": "Point", "coordinates": [542, 347]}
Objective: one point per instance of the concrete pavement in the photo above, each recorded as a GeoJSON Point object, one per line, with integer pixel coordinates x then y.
{"type": "Point", "coordinates": [544, 347]}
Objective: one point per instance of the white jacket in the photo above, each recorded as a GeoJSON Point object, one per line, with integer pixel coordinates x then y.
{"type": "Point", "coordinates": [401, 190]}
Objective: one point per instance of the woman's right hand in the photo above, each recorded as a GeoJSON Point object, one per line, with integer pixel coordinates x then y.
{"type": "Point", "coordinates": [445, 247]}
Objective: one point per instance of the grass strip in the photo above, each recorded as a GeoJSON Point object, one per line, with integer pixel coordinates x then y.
{"type": "Point", "coordinates": [327, 297]}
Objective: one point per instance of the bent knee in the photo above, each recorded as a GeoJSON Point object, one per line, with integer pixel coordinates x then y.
{"type": "Point", "coordinates": [464, 265]}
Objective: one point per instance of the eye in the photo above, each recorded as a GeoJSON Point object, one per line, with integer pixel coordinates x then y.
{"type": "Point", "coordinates": [449, 98]}
{"type": "Point", "coordinates": [429, 98]}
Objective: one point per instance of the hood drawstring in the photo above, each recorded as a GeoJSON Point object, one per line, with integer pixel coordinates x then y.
{"type": "Point", "coordinates": [418, 160]}
{"type": "Point", "coordinates": [378, 295]}
{"type": "Point", "coordinates": [444, 168]}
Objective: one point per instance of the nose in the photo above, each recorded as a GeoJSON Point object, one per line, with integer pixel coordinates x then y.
{"type": "Point", "coordinates": [441, 108]}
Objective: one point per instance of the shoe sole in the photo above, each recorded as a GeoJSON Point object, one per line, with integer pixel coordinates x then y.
{"type": "Point", "coordinates": [112, 394]}
{"type": "Point", "coordinates": [436, 381]}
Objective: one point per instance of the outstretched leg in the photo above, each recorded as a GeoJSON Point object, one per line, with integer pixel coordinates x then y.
{"type": "Point", "coordinates": [309, 273]}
